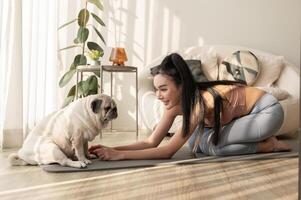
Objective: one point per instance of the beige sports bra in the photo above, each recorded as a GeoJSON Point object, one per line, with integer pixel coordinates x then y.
{"type": "Point", "coordinates": [234, 103]}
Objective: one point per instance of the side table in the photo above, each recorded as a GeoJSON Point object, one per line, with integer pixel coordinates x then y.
{"type": "Point", "coordinates": [109, 68]}
{"type": "Point", "coordinates": [120, 69]}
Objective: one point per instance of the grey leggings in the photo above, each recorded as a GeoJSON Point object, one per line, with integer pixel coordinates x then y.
{"type": "Point", "coordinates": [242, 135]}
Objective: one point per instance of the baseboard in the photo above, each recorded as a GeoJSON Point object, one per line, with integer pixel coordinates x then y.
{"type": "Point", "coordinates": [12, 138]}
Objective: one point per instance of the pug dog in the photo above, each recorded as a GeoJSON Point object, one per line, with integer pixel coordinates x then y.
{"type": "Point", "coordinates": [62, 136]}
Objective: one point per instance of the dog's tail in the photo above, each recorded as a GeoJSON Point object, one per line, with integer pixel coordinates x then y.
{"type": "Point", "coordinates": [14, 159]}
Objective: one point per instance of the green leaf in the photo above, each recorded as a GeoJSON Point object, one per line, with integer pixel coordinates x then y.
{"type": "Point", "coordinates": [80, 59]}
{"type": "Point", "coordinates": [94, 46]}
{"type": "Point", "coordinates": [67, 77]}
{"type": "Point", "coordinates": [94, 91]}
{"type": "Point", "coordinates": [90, 86]}
{"type": "Point", "coordinates": [98, 19]}
{"type": "Point", "coordinates": [72, 66]}
{"type": "Point", "coordinates": [76, 41]}
{"type": "Point", "coordinates": [85, 87]}
{"type": "Point", "coordinates": [69, 47]}
{"type": "Point", "coordinates": [96, 3]}
{"type": "Point", "coordinates": [82, 34]}
{"type": "Point", "coordinates": [67, 24]}
{"type": "Point", "coordinates": [83, 17]}
{"type": "Point", "coordinates": [71, 91]}
{"type": "Point", "coordinates": [99, 34]}
{"type": "Point", "coordinates": [97, 74]}
{"type": "Point", "coordinates": [67, 101]}
{"type": "Point", "coordinates": [80, 91]}
{"type": "Point", "coordinates": [93, 84]}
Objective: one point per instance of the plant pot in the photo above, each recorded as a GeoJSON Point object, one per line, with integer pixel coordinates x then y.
{"type": "Point", "coordinates": [95, 62]}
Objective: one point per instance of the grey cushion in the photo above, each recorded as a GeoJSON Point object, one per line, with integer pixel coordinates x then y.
{"type": "Point", "coordinates": [196, 70]}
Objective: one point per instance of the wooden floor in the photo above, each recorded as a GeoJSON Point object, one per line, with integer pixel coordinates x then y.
{"type": "Point", "coordinates": [253, 179]}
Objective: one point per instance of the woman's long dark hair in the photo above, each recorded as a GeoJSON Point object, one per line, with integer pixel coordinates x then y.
{"type": "Point", "coordinates": [174, 66]}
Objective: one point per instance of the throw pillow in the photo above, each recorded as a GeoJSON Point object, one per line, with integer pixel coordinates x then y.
{"type": "Point", "coordinates": [241, 66]}
{"type": "Point", "coordinates": [196, 70]}
{"type": "Point", "coordinates": [208, 57]}
{"type": "Point", "coordinates": [271, 67]}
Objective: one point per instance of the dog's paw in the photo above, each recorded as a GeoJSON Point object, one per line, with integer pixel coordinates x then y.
{"type": "Point", "coordinates": [92, 156]}
{"type": "Point", "coordinates": [83, 164]}
{"type": "Point", "coordinates": [77, 164]}
{"type": "Point", "coordinates": [86, 161]}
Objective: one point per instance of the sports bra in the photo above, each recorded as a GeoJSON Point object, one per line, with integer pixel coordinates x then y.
{"type": "Point", "coordinates": [234, 103]}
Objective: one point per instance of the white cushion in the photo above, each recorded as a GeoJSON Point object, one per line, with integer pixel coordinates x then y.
{"type": "Point", "coordinates": [291, 116]}
{"type": "Point", "coordinates": [270, 69]}
{"type": "Point", "coordinates": [279, 93]}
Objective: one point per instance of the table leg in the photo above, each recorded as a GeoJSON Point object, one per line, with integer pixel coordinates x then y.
{"type": "Point", "coordinates": [101, 80]}
{"type": "Point", "coordinates": [101, 91]}
{"type": "Point", "coordinates": [81, 76]}
{"type": "Point", "coordinates": [76, 89]}
{"type": "Point", "coordinates": [111, 93]}
{"type": "Point", "coordinates": [136, 105]}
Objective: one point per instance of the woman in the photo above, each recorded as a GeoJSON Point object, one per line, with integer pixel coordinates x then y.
{"type": "Point", "coordinates": [219, 118]}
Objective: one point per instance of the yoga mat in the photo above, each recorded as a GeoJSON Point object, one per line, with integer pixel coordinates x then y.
{"type": "Point", "coordinates": [183, 156]}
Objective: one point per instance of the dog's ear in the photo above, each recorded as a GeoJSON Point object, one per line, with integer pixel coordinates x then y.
{"type": "Point", "coordinates": [95, 105]}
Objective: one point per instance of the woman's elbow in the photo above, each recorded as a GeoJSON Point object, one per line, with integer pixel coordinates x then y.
{"type": "Point", "coordinates": [152, 144]}
{"type": "Point", "coordinates": [169, 154]}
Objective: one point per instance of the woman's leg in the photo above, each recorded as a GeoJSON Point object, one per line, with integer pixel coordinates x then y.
{"type": "Point", "coordinates": [243, 135]}
{"type": "Point", "coordinates": [207, 147]}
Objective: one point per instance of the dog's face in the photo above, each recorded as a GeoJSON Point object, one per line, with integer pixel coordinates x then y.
{"type": "Point", "coordinates": [105, 107]}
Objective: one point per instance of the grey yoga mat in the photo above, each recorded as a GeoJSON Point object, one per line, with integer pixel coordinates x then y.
{"type": "Point", "coordinates": [183, 156]}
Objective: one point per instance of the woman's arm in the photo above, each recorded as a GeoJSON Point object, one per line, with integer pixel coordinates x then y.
{"type": "Point", "coordinates": [146, 147]}
{"type": "Point", "coordinates": [155, 138]}
{"type": "Point", "coordinates": [143, 144]}
{"type": "Point", "coordinates": [167, 150]}
{"type": "Point", "coordinates": [154, 152]}
{"type": "Point", "coordinates": [161, 152]}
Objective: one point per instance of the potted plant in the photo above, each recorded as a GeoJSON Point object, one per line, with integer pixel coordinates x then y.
{"type": "Point", "coordinates": [95, 55]}
{"type": "Point", "coordinates": [90, 48]}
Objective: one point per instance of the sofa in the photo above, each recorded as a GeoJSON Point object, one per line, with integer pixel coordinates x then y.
{"type": "Point", "coordinates": [277, 76]}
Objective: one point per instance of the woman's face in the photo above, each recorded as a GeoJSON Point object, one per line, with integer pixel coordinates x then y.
{"type": "Point", "coordinates": [167, 91]}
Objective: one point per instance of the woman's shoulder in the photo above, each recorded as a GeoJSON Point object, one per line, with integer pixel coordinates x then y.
{"type": "Point", "coordinates": [226, 89]}
{"type": "Point", "coordinates": [254, 93]}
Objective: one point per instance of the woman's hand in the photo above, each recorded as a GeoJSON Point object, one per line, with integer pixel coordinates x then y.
{"type": "Point", "coordinates": [107, 153]}
{"type": "Point", "coordinates": [95, 147]}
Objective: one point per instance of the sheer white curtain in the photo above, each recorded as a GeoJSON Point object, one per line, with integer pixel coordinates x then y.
{"type": "Point", "coordinates": [10, 71]}
{"type": "Point", "coordinates": [28, 65]}
{"type": "Point", "coordinates": [40, 66]}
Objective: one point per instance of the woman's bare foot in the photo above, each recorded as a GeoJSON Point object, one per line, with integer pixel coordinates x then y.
{"type": "Point", "coordinates": [272, 144]}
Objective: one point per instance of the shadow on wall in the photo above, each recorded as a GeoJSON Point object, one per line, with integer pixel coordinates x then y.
{"type": "Point", "coordinates": [152, 28]}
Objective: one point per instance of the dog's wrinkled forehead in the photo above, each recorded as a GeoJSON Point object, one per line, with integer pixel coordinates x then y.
{"type": "Point", "coordinates": [107, 101]}
{"type": "Point", "coordinates": [102, 101]}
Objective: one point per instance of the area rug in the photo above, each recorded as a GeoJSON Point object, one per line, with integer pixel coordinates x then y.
{"type": "Point", "coordinates": [183, 156]}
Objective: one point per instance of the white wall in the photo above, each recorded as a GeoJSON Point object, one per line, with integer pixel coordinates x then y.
{"type": "Point", "coordinates": [150, 28]}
